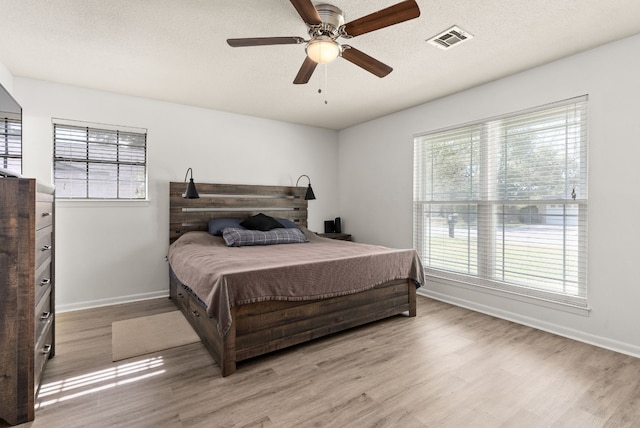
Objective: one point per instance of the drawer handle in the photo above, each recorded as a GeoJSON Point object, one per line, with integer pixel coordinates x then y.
{"type": "Point", "coordinates": [46, 247]}
{"type": "Point", "coordinates": [195, 314]}
{"type": "Point", "coordinates": [45, 281]}
{"type": "Point", "coordinates": [46, 214]}
{"type": "Point", "coordinates": [45, 316]}
{"type": "Point", "coordinates": [46, 349]}
{"type": "Point", "coordinates": [181, 295]}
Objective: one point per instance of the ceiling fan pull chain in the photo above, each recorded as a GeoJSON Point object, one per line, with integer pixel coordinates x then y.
{"type": "Point", "coordinates": [326, 84]}
{"type": "Point", "coordinates": [321, 81]}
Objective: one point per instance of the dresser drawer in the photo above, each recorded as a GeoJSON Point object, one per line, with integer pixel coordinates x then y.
{"type": "Point", "coordinates": [43, 245]}
{"type": "Point", "coordinates": [182, 298]}
{"type": "Point", "coordinates": [43, 315]}
{"type": "Point", "coordinates": [196, 314]}
{"type": "Point", "coordinates": [43, 280]}
{"type": "Point", "coordinates": [43, 349]}
{"type": "Point", "coordinates": [44, 210]}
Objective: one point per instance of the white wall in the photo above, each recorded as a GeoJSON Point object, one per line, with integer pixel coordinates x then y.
{"type": "Point", "coordinates": [110, 252]}
{"type": "Point", "coordinates": [377, 156]}
{"type": "Point", "coordinates": [6, 78]}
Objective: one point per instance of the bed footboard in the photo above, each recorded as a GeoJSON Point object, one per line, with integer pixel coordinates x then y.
{"type": "Point", "coordinates": [263, 327]}
{"type": "Point", "coordinates": [222, 349]}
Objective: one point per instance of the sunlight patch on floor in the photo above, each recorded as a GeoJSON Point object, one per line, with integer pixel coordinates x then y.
{"type": "Point", "coordinates": [58, 391]}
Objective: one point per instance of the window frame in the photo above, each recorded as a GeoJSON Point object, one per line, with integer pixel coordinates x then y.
{"type": "Point", "coordinates": [8, 119]}
{"type": "Point", "coordinates": [486, 202]}
{"type": "Point", "coordinates": [109, 155]}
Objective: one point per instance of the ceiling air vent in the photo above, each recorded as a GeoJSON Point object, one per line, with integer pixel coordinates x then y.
{"type": "Point", "coordinates": [451, 37]}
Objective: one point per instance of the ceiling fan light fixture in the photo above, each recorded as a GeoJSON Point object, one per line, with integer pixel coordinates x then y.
{"type": "Point", "coordinates": [323, 49]}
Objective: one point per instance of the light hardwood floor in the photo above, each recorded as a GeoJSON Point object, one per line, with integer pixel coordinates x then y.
{"type": "Point", "coordinates": [448, 367]}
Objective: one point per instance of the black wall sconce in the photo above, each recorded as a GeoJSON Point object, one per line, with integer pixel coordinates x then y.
{"type": "Point", "coordinates": [191, 192]}
{"type": "Point", "coordinates": [309, 195]}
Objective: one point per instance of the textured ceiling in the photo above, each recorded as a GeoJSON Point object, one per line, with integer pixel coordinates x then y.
{"type": "Point", "coordinates": [176, 50]}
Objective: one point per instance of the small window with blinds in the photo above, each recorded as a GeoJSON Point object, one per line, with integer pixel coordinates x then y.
{"type": "Point", "coordinates": [502, 203]}
{"type": "Point", "coordinates": [11, 142]}
{"type": "Point", "coordinates": [99, 162]}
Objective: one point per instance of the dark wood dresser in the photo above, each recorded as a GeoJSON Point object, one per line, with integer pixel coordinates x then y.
{"type": "Point", "coordinates": [27, 292]}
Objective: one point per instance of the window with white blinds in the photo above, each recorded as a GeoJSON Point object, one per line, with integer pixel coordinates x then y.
{"type": "Point", "coordinates": [10, 142]}
{"type": "Point", "coordinates": [99, 161]}
{"type": "Point", "coordinates": [502, 203]}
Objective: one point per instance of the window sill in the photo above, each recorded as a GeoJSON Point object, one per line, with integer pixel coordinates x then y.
{"type": "Point", "coordinates": [509, 295]}
{"type": "Point", "coordinates": [88, 203]}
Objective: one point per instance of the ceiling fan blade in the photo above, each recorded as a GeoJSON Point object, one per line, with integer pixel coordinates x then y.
{"type": "Point", "coordinates": [363, 60]}
{"type": "Point", "coordinates": [264, 41]}
{"type": "Point", "coordinates": [392, 15]}
{"type": "Point", "coordinates": [305, 72]}
{"type": "Point", "coordinates": [307, 11]}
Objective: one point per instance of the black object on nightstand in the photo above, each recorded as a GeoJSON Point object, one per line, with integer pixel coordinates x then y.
{"type": "Point", "coordinates": [339, 236]}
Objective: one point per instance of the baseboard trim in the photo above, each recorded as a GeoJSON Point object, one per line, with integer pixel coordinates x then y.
{"type": "Point", "coordinates": [110, 301]}
{"type": "Point", "coordinates": [580, 336]}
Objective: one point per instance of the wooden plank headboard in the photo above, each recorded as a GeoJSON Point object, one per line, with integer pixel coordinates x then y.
{"type": "Point", "coordinates": [232, 201]}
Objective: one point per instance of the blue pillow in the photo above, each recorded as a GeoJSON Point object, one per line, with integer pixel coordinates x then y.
{"type": "Point", "coordinates": [289, 224]}
{"type": "Point", "coordinates": [216, 225]}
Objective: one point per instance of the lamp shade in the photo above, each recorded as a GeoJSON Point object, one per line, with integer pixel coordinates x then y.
{"type": "Point", "coordinates": [309, 195]}
{"type": "Point", "coordinates": [323, 49]}
{"type": "Point", "coordinates": [191, 192]}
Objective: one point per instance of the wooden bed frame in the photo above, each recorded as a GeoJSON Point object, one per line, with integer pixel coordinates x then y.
{"type": "Point", "coordinates": [259, 328]}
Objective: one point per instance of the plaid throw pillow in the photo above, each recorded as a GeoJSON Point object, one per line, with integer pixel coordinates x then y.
{"type": "Point", "coordinates": [234, 237]}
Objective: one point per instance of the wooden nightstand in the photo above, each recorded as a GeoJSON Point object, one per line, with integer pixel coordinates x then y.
{"type": "Point", "coordinates": [339, 236]}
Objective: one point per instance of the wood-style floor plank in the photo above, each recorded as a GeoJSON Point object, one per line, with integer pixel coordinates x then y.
{"type": "Point", "coordinates": [447, 367]}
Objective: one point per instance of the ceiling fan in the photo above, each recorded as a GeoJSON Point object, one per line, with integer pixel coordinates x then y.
{"type": "Point", "coordinates": [326, 25]}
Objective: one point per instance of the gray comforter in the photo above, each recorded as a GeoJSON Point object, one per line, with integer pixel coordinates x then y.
{"type": "Point", "coordinates": [223, 276]}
